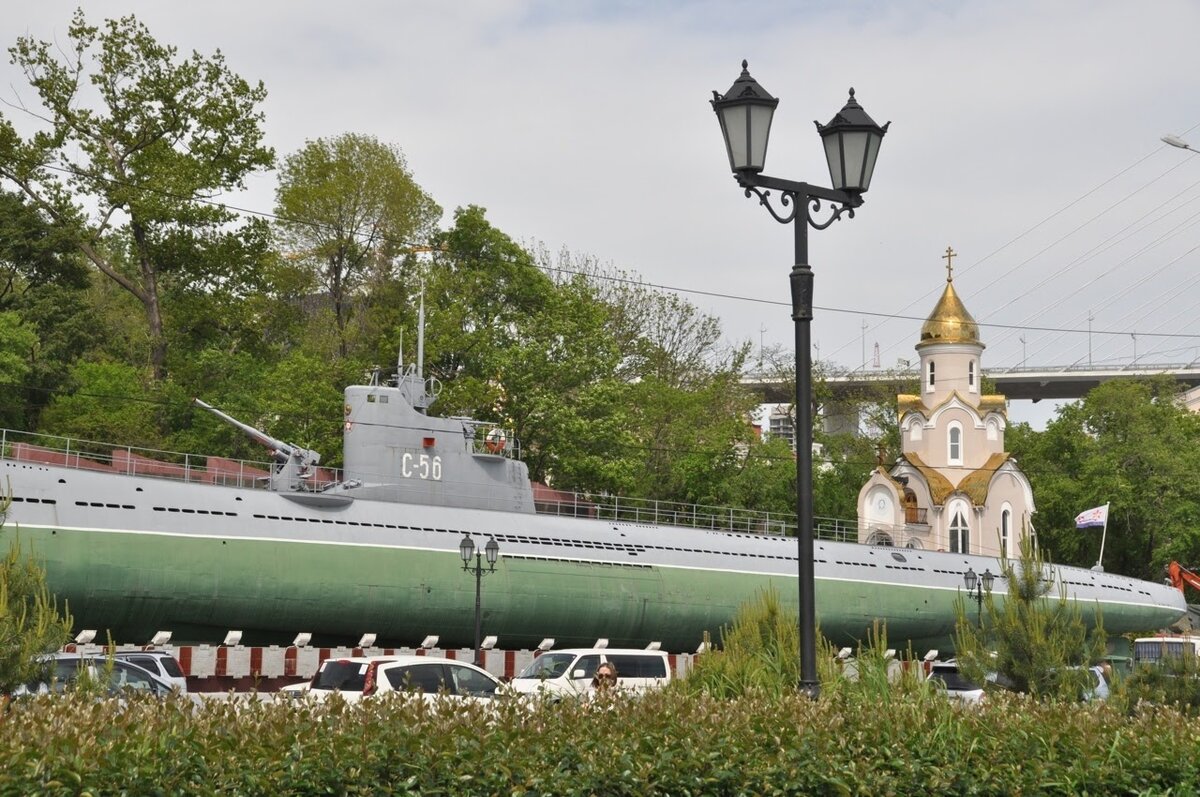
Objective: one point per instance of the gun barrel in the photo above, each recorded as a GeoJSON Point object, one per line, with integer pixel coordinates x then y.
{"type": "Point", "coordinates": [278, 446]}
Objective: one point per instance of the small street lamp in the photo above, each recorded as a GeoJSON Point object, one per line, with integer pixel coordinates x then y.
{"type": "Point", "coordinates": [977, 585]}
{"type": "Point", "coordinates": [851, 141]}
{"type": "Point", "coordinates": [467, 549]}
{"type": "Point", "coordinates": [1176, 141]}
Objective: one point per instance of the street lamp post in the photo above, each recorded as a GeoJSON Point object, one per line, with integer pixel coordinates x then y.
{"type": "Point", "coordinates": [467, 550]}
{"type": "Point", "coordinates": [851, 141]}
{"type": "Point", "coordinates": [976, 586]}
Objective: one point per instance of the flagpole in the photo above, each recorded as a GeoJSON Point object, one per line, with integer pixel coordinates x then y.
{"type": "Point", "coordinates": [1103, 534]}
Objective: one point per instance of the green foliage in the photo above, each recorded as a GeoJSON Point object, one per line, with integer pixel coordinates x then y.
{"type": "Point", "coordinates": [30, 623]}
{"type": "Point", "coordinates": [872, 674]}
{"type": "Point", "coordinates": [1129, 443]}
{"type": "Point", "coordinates": [1038, 644]}
{"type": "Point", "coordinates": [1175, 682]}
{"type": "Point", "coordinates": [350, 209]}
{"type": "Point", "coordinates": [131, 142]}
{"type": "Point", "coordinates": [33, 252]}
{"type": "Point", "coordinates": [758, 655]}
{"type": "Point", "coordinates": [765, 478]}
{"type": "Point", "coordinates": [107, 402]}
{"type": "Point", "coordinates": [17, 342]}
{"type": "Point", "coordinates": [666, 743]}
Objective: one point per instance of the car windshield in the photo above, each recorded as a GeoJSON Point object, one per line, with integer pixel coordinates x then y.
{"type": "Point", "coordinates": [347, 676]}
{"type": "Point", "coordinates": [548, 665]}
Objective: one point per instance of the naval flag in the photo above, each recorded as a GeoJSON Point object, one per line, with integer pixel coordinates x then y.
{"type": "Point", "coordinates": [1092, 517]}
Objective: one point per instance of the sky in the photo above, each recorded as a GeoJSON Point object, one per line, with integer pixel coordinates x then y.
{"type": "Point", "coordinates": [1025, 134]}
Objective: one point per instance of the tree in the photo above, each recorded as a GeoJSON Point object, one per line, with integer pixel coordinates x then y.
{"type": "Point", "coordinates": [127, 166]}
{"type": "Point", "coordinates": [1131, 444]}
{"type": "Point", "coordinates": [659, 333]}
{"type": "Point", "coordinates": [30, 623]}
{"type": "Point", "coordinates": [349, 205]}
{"type": "Point", "coordinates": [33, 251]}
{"type": "Point", "coordinates": [108, 401]}
{"type": "Point", "coordinates": [486, 289]}
{"type": "Point", "coordinates": [1037, 643]}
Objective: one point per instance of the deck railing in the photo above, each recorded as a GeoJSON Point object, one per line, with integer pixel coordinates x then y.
{"type": "Point", "coordinates": [252, 474]}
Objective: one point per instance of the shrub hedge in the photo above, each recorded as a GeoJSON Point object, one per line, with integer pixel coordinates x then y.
{"type": "Point", "coordinates": [672, 743]}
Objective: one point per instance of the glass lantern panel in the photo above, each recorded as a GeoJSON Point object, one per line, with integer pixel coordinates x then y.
{"type": "Point", "coordinates": [872, 153]}
{"type": "Point", "coordinates": [855, 151]}
{"type": "Point", "coordinates": [733, 119]}
{"type": "Point", "coordinates": [760, 130]}
{"type": "Point", "coordinates": [833, 155]}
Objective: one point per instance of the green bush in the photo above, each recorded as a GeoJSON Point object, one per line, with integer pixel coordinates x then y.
{"type": "Point", "coordinates": [664, 743]}
{"type": "Point", "coordinates": [758, 655]}
{"type": "Point", "coordinates": [1175, 681]}
{"type": "Point", "coordinates": [30, 621]}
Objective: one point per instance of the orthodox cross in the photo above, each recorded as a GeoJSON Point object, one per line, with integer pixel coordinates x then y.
{"type": "Point", "coordinates": [949, 258]}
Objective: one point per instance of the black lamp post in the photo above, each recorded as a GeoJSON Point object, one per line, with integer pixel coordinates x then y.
{"type": "Point", "coordinates": [466, 549]}
{"type": "Point", "coordinates": [977, 585]}
{"type": "Point", "coordinates": [851, 142]}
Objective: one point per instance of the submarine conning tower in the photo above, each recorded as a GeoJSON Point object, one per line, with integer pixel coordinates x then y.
{"type": "Point", "coordinates": [395, 452]}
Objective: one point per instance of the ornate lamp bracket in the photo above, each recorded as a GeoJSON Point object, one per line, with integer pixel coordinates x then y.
{"type": "Point", "coordinates": [795, 198]}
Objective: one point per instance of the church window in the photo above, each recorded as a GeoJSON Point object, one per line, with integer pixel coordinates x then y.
{"type": "Point", "coordinates": [929, 385]}
{"type": "Point", "coordinates": [954, 444]}
{"type": "Point", "coordinates": [971, 375]}
{"type": "Point", "coordinates": [1005, 525]}
{"type": "Point", "coordinates": [960, 532]}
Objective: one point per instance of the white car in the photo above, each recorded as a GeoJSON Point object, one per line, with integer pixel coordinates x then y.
{"type": "Point", "coordinates": [358, 677]}
{"type": "Point", "coordinates": [946, 677]}
{"type": "Point", "coordinates": [569, 673]}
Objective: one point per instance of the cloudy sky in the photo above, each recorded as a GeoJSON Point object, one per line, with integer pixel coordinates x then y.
{"type": "Point", "coordinates": [1025, 134]}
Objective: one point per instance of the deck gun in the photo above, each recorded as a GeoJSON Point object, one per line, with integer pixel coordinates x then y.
{"type": "Point", "coordinates": [294, 464]}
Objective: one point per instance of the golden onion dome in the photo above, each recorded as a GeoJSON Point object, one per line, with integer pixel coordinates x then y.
{"type": "Point", "coordinates": [949, 322]}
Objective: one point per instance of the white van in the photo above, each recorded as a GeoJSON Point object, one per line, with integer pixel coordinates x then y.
{"type": "Point", "coordinates": [1153, 649]}
{"type": "Point", "coordinates": [569, 672]}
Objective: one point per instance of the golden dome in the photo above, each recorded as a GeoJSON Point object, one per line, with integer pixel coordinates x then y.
{"type": "Point", "coordinates": [949, 322]}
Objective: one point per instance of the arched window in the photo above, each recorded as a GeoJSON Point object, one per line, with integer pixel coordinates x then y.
{"type": "Point", "coordinates": [1005, 525]}
{"type": "Point", "coordinates": [954, 444]}
{"type": "Point", "coordinates": [929, 382]}
{"type": "Point", "coordinates": [960, 532]}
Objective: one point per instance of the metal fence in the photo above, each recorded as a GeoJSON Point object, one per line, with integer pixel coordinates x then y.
{"type": "Point", "coordinates": [133, 461]}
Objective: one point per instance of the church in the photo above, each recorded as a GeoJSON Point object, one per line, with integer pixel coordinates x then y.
{"type": "Point", "coordinates": [953, 487]}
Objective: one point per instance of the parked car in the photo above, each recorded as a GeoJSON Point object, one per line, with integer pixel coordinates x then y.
{"type": "Point", "coordinates": [158, 662]}
{"type": "Point", "coordinates": [115, 677]}
{"type": "Point", "coordinates": [569, 673]}
{"type": "Point", "coordinates": [944, 675]}
{"type": "Point", "coordinates": [1098, 683]}
{"type": "Point", "coordinates": [359, 677]}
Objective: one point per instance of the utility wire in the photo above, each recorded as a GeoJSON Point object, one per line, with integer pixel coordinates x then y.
{"type": "Point", "coordinates": [415, 246]}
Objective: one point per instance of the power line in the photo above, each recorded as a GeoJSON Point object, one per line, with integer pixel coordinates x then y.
{"type": "Point", "coordinates": [658, 286]}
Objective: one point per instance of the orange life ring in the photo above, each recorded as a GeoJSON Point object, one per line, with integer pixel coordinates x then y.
{"type": "Point", "coordinates": [495, 441]}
